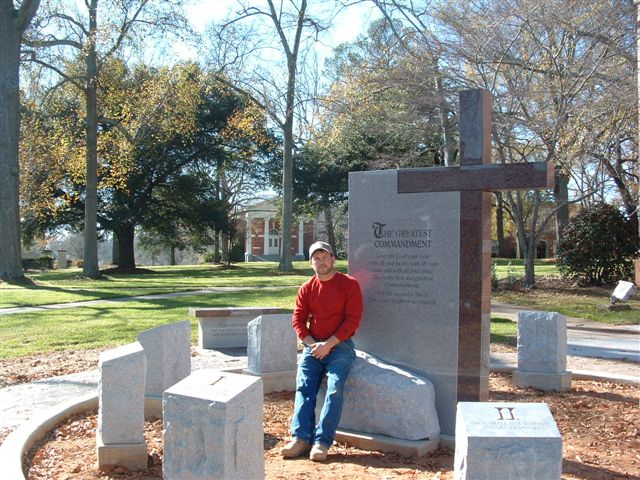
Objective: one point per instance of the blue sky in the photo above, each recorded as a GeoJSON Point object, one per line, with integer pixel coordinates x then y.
{"type": "Point", "coordinates": [346, 27]}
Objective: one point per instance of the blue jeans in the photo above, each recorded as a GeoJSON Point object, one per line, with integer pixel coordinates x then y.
{"type": "Point", "coordinates": [311, 371]}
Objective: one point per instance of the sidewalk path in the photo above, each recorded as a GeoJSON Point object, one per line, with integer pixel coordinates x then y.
{"type": "Point", "coordinates": [87, 303]}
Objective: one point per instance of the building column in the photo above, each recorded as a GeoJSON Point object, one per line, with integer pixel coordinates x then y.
{"type": "Point", "coordinates": [266, 236]}
{"type": "Point", "coordinates": [300, 236]}
{"type": "Point", "coordinates": [248, 235]}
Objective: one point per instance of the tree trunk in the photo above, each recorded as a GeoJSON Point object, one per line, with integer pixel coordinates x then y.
{"type": "Point", "coordinates": [287, 130]}
{"type": "Point", "coordinates": [448, 136]}
{"type": "Point", "coordinates": [10, 249]}
{"type": "Point", "coordinates": [500, 224]}
{"type": "Point", "coordinates": [90, 267]}
{"type": "Point", "coordinates": [526, 241]}
{"type": "Point", "coordinates": [331, 233]}
{"type": "Point", "coordinates": [216, 246]}
{"type": "Point", "coordinates": [637, 269]}
{"type": "Point", "coordinates": [226, 251]}
{"type": "Point", "coordinates": [561, 193]}
{"type": "Point", "coordinates": [172, 254]}
{"type": "Point", "coordinates": [286, 264]}
{"type": "Point", "coordinates": [529, 265]}
{"type": "Point", "coordinates": [126, 255]}
{"type": "Point", "coordinates": [114, 249]}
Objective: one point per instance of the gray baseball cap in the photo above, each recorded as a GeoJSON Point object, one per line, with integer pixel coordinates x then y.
{"type": "Point", "coordinates": [320, 246]}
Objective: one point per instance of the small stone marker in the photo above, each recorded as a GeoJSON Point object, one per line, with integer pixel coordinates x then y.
{"type": "Point", "coordinates": [120, 434]}
{"type": "Point", "coordinates": [623, 291]}
{"type": "Point", "coordinates": [518, 441]}
{"type": "Point", "coordinates": [226, 327]}
{"type": "Point", "coordinates": [62, 259]}
{"type": "Point", "coordinates": [168, 352]}
{"type": "Point", "coordinates": [272, 352]}
{"type": "Point", "coordinates": [542, 352]}
{"type": "Point", "coordinates": [213, 427]}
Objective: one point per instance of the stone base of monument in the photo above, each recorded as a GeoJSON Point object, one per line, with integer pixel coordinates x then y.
{"type": "Point", "coordinates": [275, 381]}
{"type": "Point", "coordinates": [132, 456]}
{"type": "Point", "coordinates": [382, 443]}
{"type": "Point", "coordinates": [558, 382]}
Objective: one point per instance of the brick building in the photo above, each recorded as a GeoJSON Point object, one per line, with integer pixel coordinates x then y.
{"type": "Point", "coordinates": [263, 234]}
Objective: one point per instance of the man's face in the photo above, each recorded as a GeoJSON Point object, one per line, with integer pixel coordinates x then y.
{"type": "Point", "coordinates": [322, 262]}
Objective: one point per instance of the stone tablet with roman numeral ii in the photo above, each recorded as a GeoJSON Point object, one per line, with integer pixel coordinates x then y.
{"type": "Point", "coordinates": [517, 441]}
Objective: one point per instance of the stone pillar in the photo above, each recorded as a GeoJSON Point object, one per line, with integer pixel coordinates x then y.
{"type": "Point", "coordinates": [506, 440]}
{"type": "Point", "coordinates": [213, 427]}
{"type": "Point", "coordinates": [62, 259]}
{"type": "Point", "coordinates": [272, 352]}
{"type": "Point", "coordinates": [167, 349]}
{"type": "Point", "coordinates": [542, 352]}
{"type": "Point", "coordinates": [120, 434]}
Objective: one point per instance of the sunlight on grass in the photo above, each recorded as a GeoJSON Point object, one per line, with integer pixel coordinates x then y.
{"type": "Point", "coordinates": [116, 324]}
{"type": "Point", "coordinates": [62, 286]}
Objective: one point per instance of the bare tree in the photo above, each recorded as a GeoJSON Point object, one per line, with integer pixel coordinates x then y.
{"type": "Point", "coordinates": [294, 29]}
{"type": "Point", "coordinates": [13, 23]}
{"type": "Point", "coordinates": [545, 62]}
{"type": "Point", "coordinates": [418, 36]}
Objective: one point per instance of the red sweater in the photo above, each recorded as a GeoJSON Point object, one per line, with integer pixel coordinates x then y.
{"type": "Point", "coordinates": [333, 307]}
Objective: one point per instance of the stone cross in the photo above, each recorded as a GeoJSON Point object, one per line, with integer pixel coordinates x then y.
{"type": "Point", "coordinates": [475, 178]}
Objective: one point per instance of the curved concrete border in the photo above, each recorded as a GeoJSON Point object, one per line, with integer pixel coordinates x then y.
{"type": "Point", "coordinates": [18, 442]}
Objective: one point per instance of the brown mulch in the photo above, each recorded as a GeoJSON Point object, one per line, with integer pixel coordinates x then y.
{"type": "Point", "coordinates": [599, 422]}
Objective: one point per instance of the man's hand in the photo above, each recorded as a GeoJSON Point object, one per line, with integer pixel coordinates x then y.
{"type": "Point", "coordinates": [320, 350]}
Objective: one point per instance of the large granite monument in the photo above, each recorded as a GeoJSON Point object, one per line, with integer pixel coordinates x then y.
{"type": "Point", "coordinates": [420, 245]}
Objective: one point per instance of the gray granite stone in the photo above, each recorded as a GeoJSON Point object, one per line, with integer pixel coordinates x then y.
{"type": "Point", "coordinates": [404, 250]}
{"type": "Point", "coordinates": [226, 327]}
{"type": "Point", "coordinates": [272, 344]}
{"type": "Point", "coordinates": [168, 352]}
{"type": "Point", "coordinates": [121, 395]}
{"type": "Point", "coordinates": [542, 342]}
{"type": "Point", "coordinates": [518, 441]}
{"type": "Point", "coordinates": [386, 400]}
{"type": "Point", "coordinates": [623, 291]}
{"type": "Point", "coordinates": [213, 427]}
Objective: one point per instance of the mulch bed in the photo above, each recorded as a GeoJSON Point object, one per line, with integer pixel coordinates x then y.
{"type": "Point", "coordinates": [599, 423]}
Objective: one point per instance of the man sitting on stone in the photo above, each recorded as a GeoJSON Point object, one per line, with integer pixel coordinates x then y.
{"type": "Point", "coordinates": [327, 314]}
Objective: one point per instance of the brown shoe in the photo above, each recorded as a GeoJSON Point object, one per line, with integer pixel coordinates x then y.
{"type": "Point", "coordinates": [295, 448]}
{"type": "Point", "coordinates": [318, 453]}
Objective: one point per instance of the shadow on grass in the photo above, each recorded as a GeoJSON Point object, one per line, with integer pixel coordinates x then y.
{"type": "Point", "coordinates": [504, 331]}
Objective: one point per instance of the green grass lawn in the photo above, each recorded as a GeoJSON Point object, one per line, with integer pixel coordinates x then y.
{"type": "Point", "coordinates": [112, 324]}
{"type": "Point", "coordinates": [504, 331]}
{"type": "Point", "coordinates": [63, 286]}
{"type": "Point", "coordinates": [512, 267]}
{"type": "Point", "coordinates": [579, 304]}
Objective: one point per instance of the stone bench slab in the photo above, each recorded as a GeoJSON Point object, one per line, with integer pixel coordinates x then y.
{"type": "Point", "coordinates": [226, 327]}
